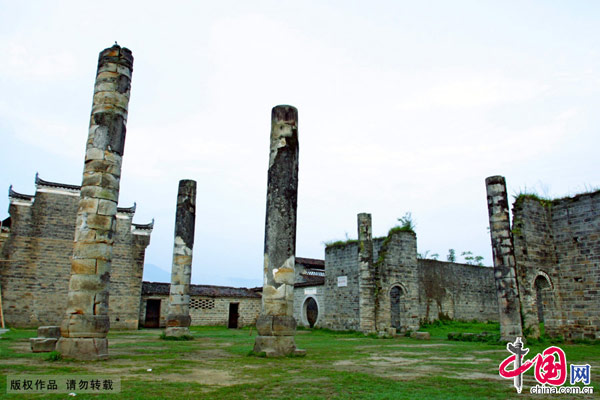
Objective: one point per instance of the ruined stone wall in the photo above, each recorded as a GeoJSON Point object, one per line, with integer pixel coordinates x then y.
{"type": "Point", "coordinates": [536, 255]}
{"type": "Point", "coordinates": [559, 242]}
{"type": "Point", "coordinates": [397, 267]}
{"type": "Point", "coordinates": [35, 276]}
{"type": "Point", "coordinates": [427, 287]}
{"type": "Point", "coordinates": [456, 291]}
{"type": "Point", "coordinates": [342, 308]}
{"type": "Point", "coordinates": [301, 295]}
{"type": "Point", "coordinates": [36, 263]}
{"type": "Point", "coordinates": [126, 274]}
{"type": "Point", "coordinates": [208, 311]}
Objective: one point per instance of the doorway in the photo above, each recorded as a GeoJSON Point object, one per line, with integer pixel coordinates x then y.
{"type": "Point", "coordinates": [395, 307]}
{"type": "Point", "coordinates": [152, 313]}
{"type": "Point", "coordinates": [233, 315]}
{"type": "Point", "coordinates": [311, 309]}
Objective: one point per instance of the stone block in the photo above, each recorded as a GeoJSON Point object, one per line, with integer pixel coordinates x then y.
{"type": "Point", "coordinates": [177, 331]}
{"type": "Point", "coordinates": [82, 250]}
{"type": "Point", "coordinates": [87, 266]}
{"type": "Point", "coordinates": [422, 335]}
{"type": "Point", "coordinates": [48, 332]}
{"type": "Point", "coordinates": [275, 346]}
{"type": "Point", "coordinates": [42, 345]}
{"type": "Point", "coordinates": [284, 275]}
{"type": "Point", "coordinates": [107, 207]}
{"type": "Point", "coordinates": [85, 326]}
{"type": "Point", "coordinates": [264, 325]}
{"type": "Point", "coordinates": [83, 348]}
{"type": "Point", "coordinates": [88, 282]}
{"type": "Point", "coordinates": [284, 325]}
{"type": "Point", "coordinates": [178, 320]}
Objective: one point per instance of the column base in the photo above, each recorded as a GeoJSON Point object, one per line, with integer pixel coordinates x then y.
{"type": "Point", "coordinates": [277, 346]}
{"type": "Point", "coordinates": [177, 331]}
{"type": "Point", "coordinates": [83, 348]}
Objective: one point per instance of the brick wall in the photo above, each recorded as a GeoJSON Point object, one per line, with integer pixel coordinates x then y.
{"type": "Point", "coordinates": [37, 262]}
{"type": "Point", "coordinates": [558, 243]}
{"type": "Point", "coordinates": [208, 311]}
{"type": "Point", "coordinates": [457, 291]}
{"type": "Point", "coordinates": [341, 309]}
{"type": "Point", "coordinates": [301, 295]}
{"type": "Point", "coordinates": [397, 264]}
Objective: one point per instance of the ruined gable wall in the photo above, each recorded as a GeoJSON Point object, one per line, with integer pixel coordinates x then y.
{"type": "Point", "coordinates": [17, 269]}
{"type": "Point", "coordinates": [457, 291]}
{"type": "Point", "coordinates": [126, 275]}
{"type": "Point", "coordinates": [342, 308]}
{"type": "Point", "coordinates": [39, 249]}
{"type": "Point", "coordinates": [562, 239]}
{"type": "Point", "coordinates": [396, 261]}
{"type": "Point", "coordinates": [535, 254]}
{"type": "Point", "coordinates": [576, 229]}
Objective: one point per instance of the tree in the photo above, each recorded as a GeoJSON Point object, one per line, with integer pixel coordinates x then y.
{"type": "Point", "coordinates": [451, 255]}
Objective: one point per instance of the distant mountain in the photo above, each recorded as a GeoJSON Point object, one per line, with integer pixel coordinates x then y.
{"type": "Point", "coordinates": [153, 273]}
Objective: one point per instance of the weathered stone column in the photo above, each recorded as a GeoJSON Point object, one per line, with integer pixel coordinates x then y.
{"type": "Point", "coordinates": [504, 259]}
{"type": "Point", "coordinates": [276, 325]}
{"type": "Point", "coordinates": [366, 278]}
{"type": "Point", "coordinates": [86, 322]}
{"type": "Point", "coordinates": [178, 316]}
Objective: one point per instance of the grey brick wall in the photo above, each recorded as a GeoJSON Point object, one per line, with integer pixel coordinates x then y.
{"type": "Point", "coordinates": [457, 291]}
{"type": "Point", "coordinates": [560, 241]}
{"type": "Point", "coordinates": [37, 263]}
{"type": "Point", "coordinates": [212, 311]}
{"type": "Point", "coordinates": [341, 309]}
{"type": "Point", "coordinates": [301, 295]}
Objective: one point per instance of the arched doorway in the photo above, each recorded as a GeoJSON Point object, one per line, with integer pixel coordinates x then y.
{"type": "Point", "coordinates": [396, 294]}
{"type": "Point", "coordinates": [310, 309]}
{"type": "Point", "coordinates": [543, 296]}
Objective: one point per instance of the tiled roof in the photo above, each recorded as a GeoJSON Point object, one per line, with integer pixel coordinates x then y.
{"type": "Point", "coordinates": [15, 195]}
{"type": "Point", "coordinates": [40, 182]}
{"type": "Point", "coordinates": [311, 262]}
{"type": "Point", "coordinates": [163, 288]}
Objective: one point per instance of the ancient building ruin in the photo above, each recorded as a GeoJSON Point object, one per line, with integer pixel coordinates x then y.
{"type": "Point", "coordinates": [36, 258]}
{"type": "Point", "coordinates": [557, 251]}
{"type": "Point", "coordinates": [406, 290]}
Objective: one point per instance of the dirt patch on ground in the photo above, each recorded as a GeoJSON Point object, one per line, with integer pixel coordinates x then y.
{"type": "Point", "coordinates": [479, 376]}
{"type": "Point", "coordinates": [211, 377]}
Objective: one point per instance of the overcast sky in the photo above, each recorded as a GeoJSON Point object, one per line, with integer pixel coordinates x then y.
{"type": "Point", "coordinates": [403, 107]}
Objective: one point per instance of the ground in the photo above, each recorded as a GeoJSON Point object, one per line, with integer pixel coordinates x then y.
{"type": "Point", "coordinates": [217, 365]}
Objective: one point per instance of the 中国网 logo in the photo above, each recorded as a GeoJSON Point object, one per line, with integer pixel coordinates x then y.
{"type": "Point", "coordinates": [550, 370]}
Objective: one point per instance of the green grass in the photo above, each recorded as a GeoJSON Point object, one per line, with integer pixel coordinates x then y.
{"type": "Point", "coordinates": [217, 364]}
{"type": "Point", "coordinates": [440, 329]}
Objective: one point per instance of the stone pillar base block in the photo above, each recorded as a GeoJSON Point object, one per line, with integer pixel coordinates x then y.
{"type": "Point", "coordinates": [276, 325]}
{"type": "Point", "coordinates": [48, 332]}
{"type": "Point", "coordinates": [83, 348]}
{"type": "Point", "coordinates": [85, 326]}
{"type": "Point", "coordinates": [42, 345]}
{"type": "Point", "coordinates": [181, 321]}
{"type": "Point", "coordinates": [276, 346]}
{"type": "Point", "coordinates": [177, 331]}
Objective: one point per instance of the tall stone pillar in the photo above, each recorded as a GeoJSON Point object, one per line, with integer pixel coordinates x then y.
{"type": "Point", "coordinates": [86, 321]}
{"type": "Point", "coordinates": [276, 325]}
{"type": "Point", "coordinates": [504, 259]}
{"type": "Point", "coordinates": [178, 316]}
{"type": "Point", "coordinates": [366, 278]}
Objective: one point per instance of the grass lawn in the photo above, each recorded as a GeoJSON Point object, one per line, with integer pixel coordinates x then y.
{"type": "Point", "coordinates": [216, 365]}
